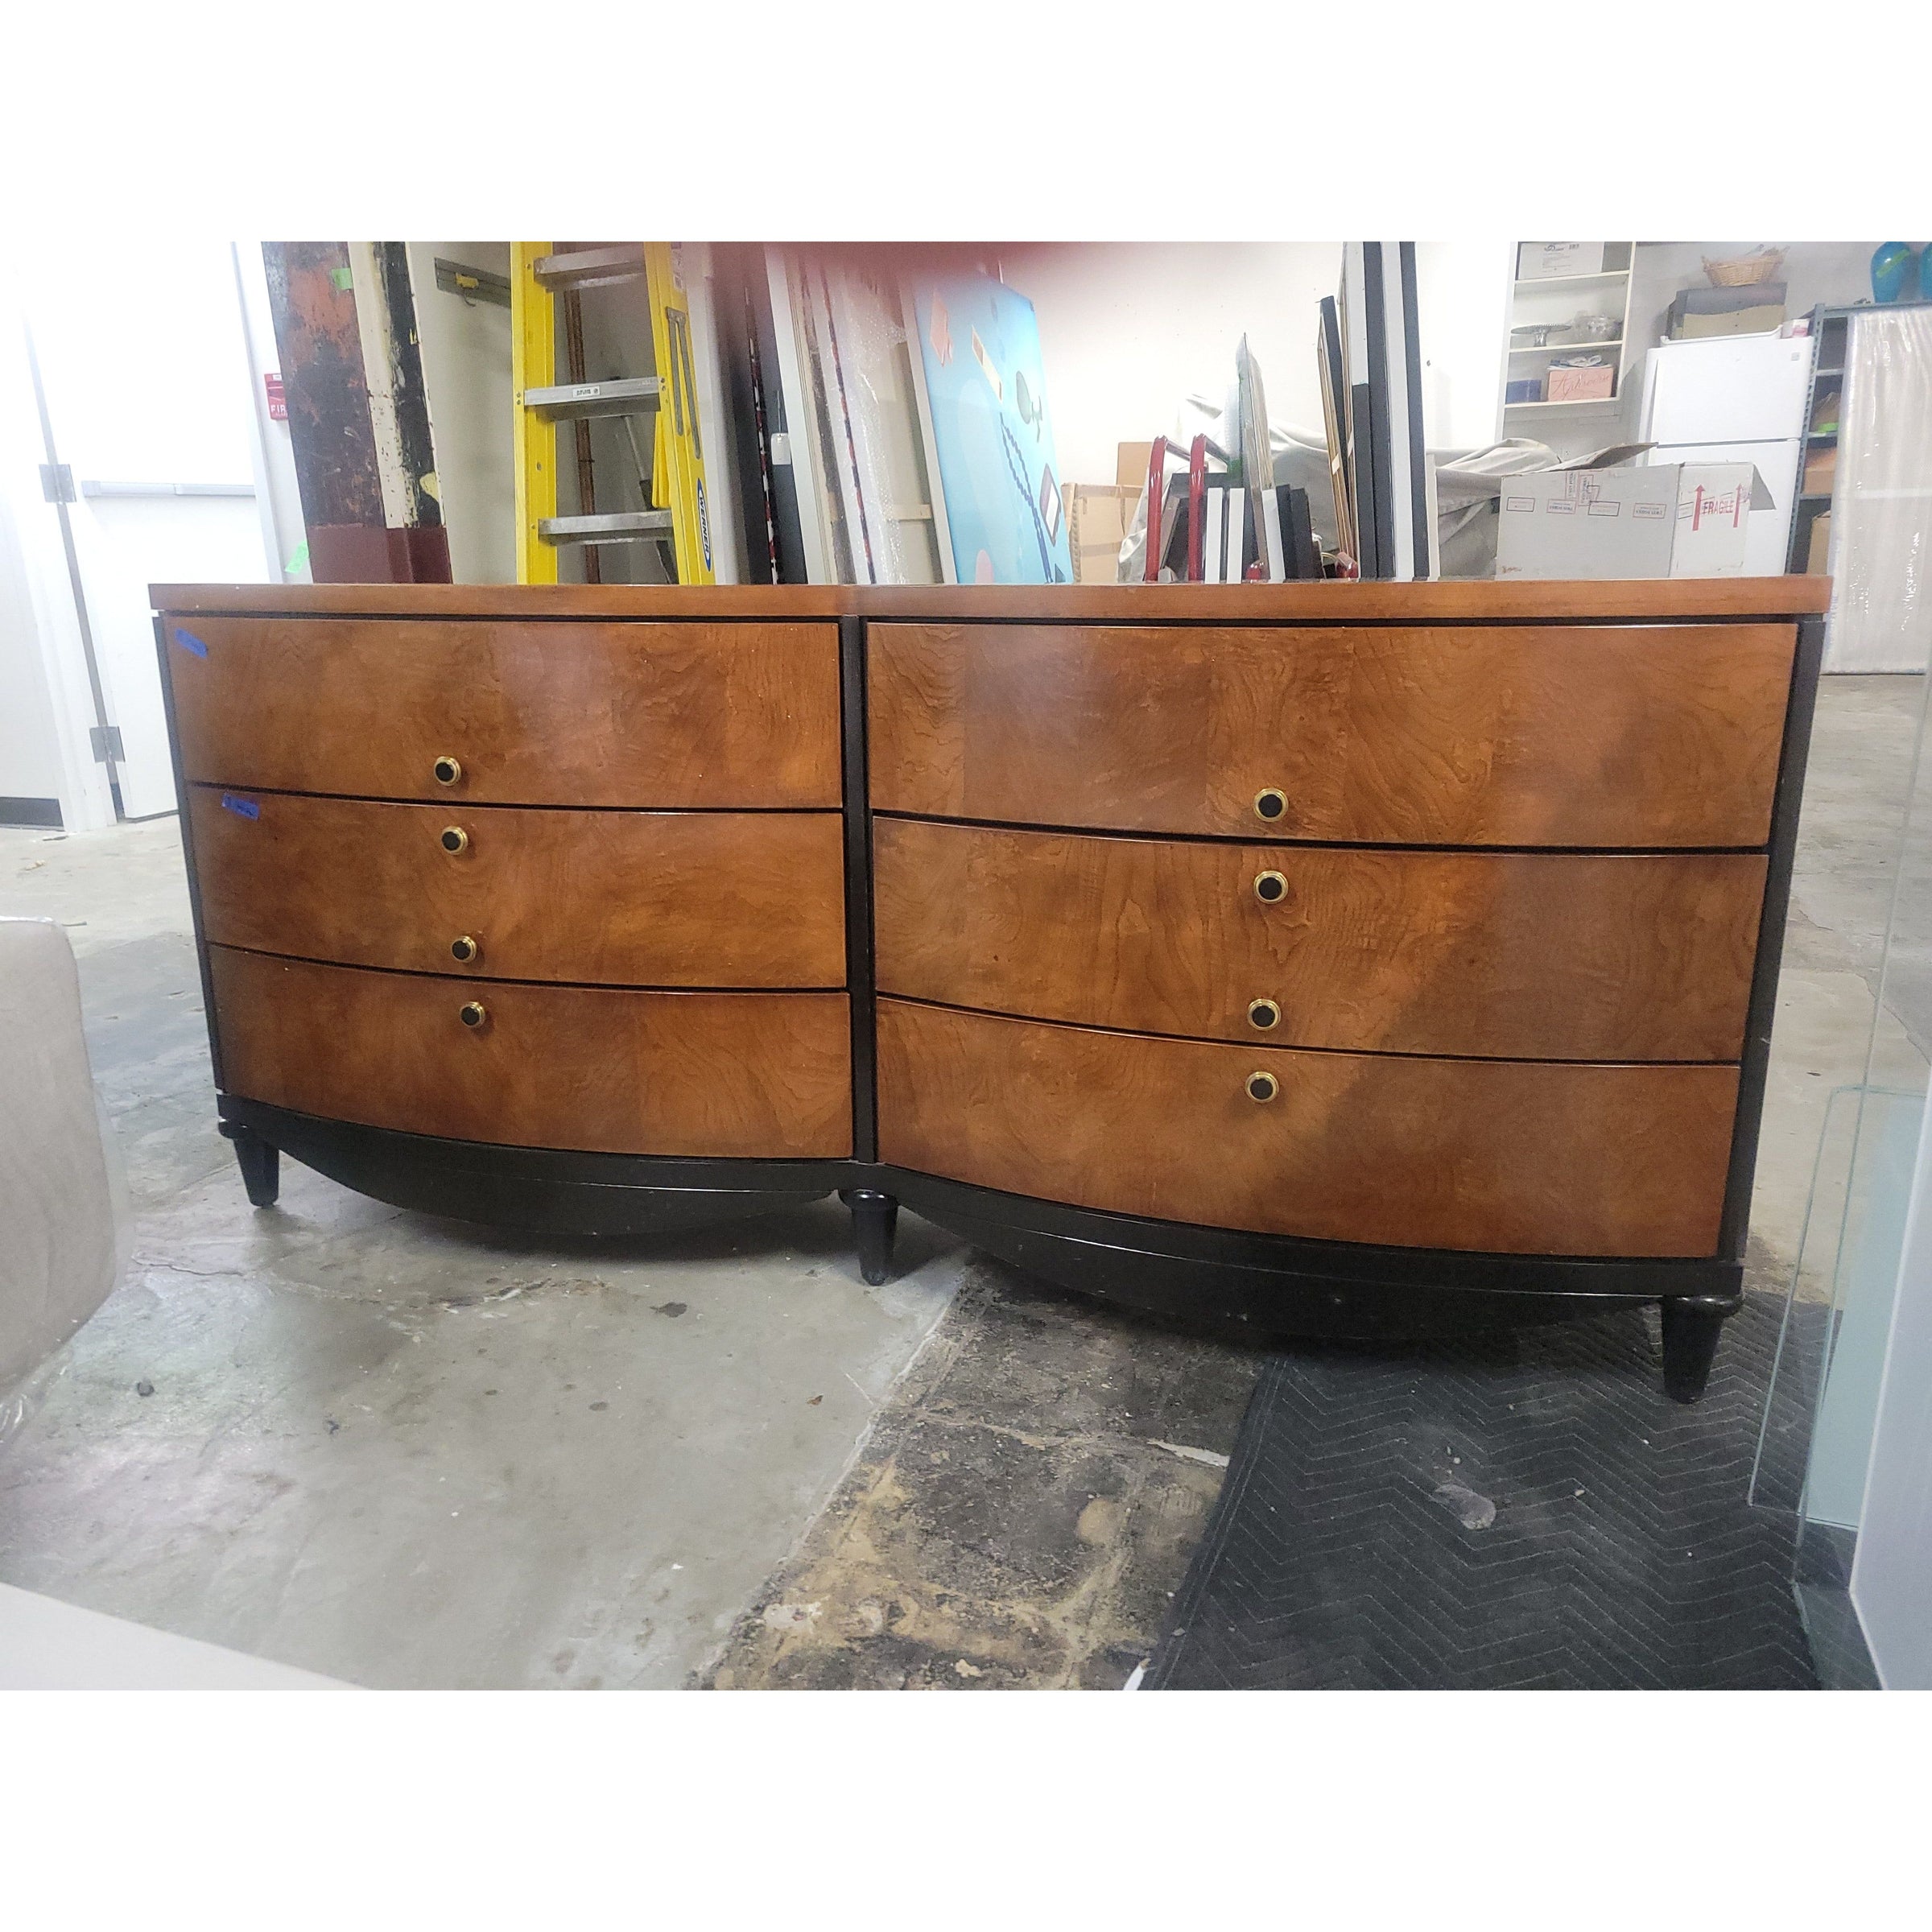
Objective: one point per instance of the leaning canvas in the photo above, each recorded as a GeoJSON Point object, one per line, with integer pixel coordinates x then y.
{"type": "Point", "coordinates": [979, 343]}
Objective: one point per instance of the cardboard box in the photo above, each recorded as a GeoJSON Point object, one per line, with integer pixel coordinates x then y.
{"type": "Point", "coordinates": [1818, 547]}
{"type": "Point", "coordinates": [1821, 472]}
{"type": "Point", "coordinates": [1587, 523]}
{"type": "Point", "coordinates": [1130, 465]}
{"type": "Point", "coordinates": [1543, 260]}
{"type": "Point", "coordinates": [1713, 504]}
{"type": "Point", "coordinates": [1756, 308]}
{"type": "Point", "coordinates": [1565, 384]}
{"type": "Point", "coordinates": [1766, 320]}
{"type": "Point", "coordinates": [1097, 517]}
{"type": "Point", "coordinates": [1656, 520]}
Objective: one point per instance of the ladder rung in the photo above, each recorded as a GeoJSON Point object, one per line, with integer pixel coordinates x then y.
{"type": "Point", "coordinates": [571, 402]}
{"type": "Point", "coordinates": [591, 267]}
{"type": "Point", "coordinates": [618, 527]}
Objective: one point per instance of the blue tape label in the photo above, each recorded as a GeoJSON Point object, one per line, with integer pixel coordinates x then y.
{"type": "Point", "coordinates": [188, 640]}
{"type": "Point", "coordinates": [242, 808]}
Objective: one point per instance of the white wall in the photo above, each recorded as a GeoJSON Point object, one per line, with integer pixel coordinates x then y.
{"type": "Point", "coordinates": [1463, 310]}
{"type": "Point", "coordinates": [1127, 328]}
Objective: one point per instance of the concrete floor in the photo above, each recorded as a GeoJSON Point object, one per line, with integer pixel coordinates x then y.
{"type": "Point", "coordinates": [403, 1452]}
{"type": "Point", "coordinates": [406, 1452]}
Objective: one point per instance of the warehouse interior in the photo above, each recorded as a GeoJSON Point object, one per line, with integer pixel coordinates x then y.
{"type": "Point", "coordinates": [800, 1457]}
{"type": "Point", "coordinates": [1119, 960]}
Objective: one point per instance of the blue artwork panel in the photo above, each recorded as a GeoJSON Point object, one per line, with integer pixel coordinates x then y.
{"type": "Point", "coordinates": [980, 343]}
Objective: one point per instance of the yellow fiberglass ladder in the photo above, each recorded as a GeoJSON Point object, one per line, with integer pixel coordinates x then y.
{"type": "Point", "coordinates": [544, 282]}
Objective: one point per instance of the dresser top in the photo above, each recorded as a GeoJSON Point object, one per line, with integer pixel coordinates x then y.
{"type": "Point", "coordinates": [1516, 600]}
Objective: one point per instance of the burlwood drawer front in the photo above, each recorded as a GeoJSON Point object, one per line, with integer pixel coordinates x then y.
{"type": "Point", "coordinates": [721, 1074]}
{"type": "Point", "coordinates": [644, 898]}
{"type": "Point", "coordinates": [560, 713]}
{"type": "Point", "coordinates": [1502, 1156]}
{"type": "Point", "coordinates": [1542, 735]}
{"type": "Point", "coordinates": [1535, 956]}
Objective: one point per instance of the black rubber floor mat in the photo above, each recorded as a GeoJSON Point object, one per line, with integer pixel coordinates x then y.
{"type": "Point", "coordinates": [1524, 1511]}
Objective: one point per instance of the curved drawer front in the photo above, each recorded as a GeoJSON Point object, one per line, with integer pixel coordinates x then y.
{"type": "Point", "coordinates": [1578, 735]}
{"type": "Point", "coordinates": [1490, 1156]}
{"type": "Point", "coordinates": [1529, 956]}
{"type": "Point", "coordinates": [565, 713]}
{"type": "Point", "coordinates": [697, 1074]}
{"type": "Point", "coordinates": [639, 898]}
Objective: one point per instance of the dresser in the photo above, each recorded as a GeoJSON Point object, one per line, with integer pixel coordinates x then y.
{"type": "Point", "coordinates": [1355, 959]}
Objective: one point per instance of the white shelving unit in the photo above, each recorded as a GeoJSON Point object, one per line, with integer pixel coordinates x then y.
{"type": "Point", "coordinates": [1556, 302]}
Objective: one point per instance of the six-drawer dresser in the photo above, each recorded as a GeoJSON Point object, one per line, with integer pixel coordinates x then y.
{"type": "Point", "coordinates": [1365, 960]}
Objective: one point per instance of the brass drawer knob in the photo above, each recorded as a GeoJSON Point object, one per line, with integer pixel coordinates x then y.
{"type": "Point", "coordinates": [1263, 1014]}
{"type": "Point", "coordinates": [1270, 802]}
{"type": "Point", "coordinates": [1270, 887]}
{"type": "Point", "coordinates": [472, 1013]}
{"type": "Point", "coordinates": [446, 771]}
{"type": "Point", "coordinates": [455, 839]}
{"type": "Point", "coordinates": [1262, 1086]}
{"type": "Point", "coordinates": [466, 949]}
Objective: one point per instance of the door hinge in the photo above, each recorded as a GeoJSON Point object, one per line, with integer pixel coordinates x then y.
{"type": "Point", "coordinates": [107, 741]}
{"type": "Point", "coordinates": [57, 483]}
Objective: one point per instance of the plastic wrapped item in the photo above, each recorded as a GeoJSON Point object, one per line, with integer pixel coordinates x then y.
{"type": "Point", "coordinates": [862, 436]}
{"type": "Point", "coordinates": [63, 1193]}
{"type": "Point", "coordinates": [1467, 486]}
{"type": "Point", "coordinates": [1881, 497]}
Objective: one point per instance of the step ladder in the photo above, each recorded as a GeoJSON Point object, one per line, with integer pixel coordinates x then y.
{"type": "Point", "coordinates": [542, 281]}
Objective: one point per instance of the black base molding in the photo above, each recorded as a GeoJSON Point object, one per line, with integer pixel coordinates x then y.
{"type": "Point", "coordinates": [1274, 1284]}
{"type": "Point", "coordinates": [541, 1190]}
{"type": "Point", "coordinates": [30, 811]}
{"type": "Point", "coordinates": [1267, 1284]}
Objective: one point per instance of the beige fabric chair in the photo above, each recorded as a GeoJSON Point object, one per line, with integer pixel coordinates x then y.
{"type": "Point", "coordinates": [64, 1219]}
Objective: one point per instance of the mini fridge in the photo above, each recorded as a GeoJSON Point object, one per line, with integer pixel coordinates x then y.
{"type": "Point", "coordinates": [1735, 399]}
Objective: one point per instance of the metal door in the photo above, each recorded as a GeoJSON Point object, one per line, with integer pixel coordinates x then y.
{"type": "Point", "coordinates": [148, 411]}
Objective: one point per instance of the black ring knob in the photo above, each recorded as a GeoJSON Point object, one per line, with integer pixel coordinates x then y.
{"type": "Point", "coordinates": [1262, 1086]}
{"type": "Point", "coordinates": [1270, 887]}
{"type": "Point", "coordinates": [1263, 1014]}
{"type": "Point", "coordinates": [473, 1014]}
{"type": "Point", "coordinates": [1270, 802]}
{"type": "Point", "coordinates": [464, 949]}
{"type": "Point", "coordinates": [446, 771]}
{"type": "Point", "coordinates": [455, 839]}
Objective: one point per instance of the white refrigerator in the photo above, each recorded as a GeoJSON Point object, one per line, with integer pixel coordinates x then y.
{"type": "Point", "coordinates": [1735, 399]}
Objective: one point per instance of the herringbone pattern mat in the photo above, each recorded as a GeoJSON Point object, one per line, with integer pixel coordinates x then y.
{"type": "Point", "coordinates": [1526, 1511]}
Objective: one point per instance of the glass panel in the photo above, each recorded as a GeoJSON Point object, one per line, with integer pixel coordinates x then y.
{"type": "Point", "coordinates": [1866, 824]}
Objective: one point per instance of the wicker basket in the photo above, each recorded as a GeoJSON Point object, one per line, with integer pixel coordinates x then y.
{"type": "Point", "coordinates": [1763, 266]}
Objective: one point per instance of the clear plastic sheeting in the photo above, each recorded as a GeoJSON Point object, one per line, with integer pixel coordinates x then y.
{"type": "Point", "coordinates": [1881, 504]}
{"type": "Point", "coordinates": [63, 1195]}
{"type": "Point", "coordinates": [1468, 486]}
{"type": "Point", "coordinates": [863, 437]}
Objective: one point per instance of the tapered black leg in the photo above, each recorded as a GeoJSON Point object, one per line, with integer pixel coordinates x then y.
{"type": "Point", "coordinates": [261, 1164]}
{"type": "Point", "coordinates": [1692, 1324]}
{"type": "Point", "coordinates": [875, 1218]}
